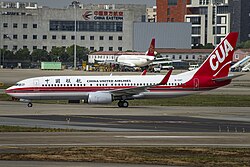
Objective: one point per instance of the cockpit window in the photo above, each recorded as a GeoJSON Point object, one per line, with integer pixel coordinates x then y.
{"type": "Point", "coordinates": [19, 84]}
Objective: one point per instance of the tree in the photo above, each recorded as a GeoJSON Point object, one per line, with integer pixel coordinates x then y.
{"type": "Point", "coordinates": [22, 54]}
{"type": "Point", "coordinates": [81, 53]}
{"type": "Point", "coordinates": [58, 54]}
{"type": "Point", "coordinates": [246, 44]}
{"type": "Point", "coordinates": [39, 55]}
{"type": "Point", "coordinates": [7, 55]}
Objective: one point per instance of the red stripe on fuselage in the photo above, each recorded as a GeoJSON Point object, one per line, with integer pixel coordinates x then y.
{"type": "Point", "coordinates": [99, 88]}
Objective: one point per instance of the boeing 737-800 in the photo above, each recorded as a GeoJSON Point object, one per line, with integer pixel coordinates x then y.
{"type": "Point", "coordinates": [212, 74]}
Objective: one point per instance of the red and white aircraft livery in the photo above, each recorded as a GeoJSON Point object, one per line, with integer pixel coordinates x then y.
{"type": "Point", "coordinates": [213, 73]}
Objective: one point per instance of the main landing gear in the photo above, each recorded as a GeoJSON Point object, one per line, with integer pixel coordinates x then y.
{"type": "Point", "coordinates": [123, 104]}
{"type": "Point", "coordinates": [29, 104]}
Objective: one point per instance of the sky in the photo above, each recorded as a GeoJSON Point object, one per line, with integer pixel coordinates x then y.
{"type": "Point", "coordinates": [64, 3]}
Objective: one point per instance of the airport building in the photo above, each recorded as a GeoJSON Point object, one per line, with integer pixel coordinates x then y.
{"type": "Point", "coordinates": [98, 27]}
{"type": "Point", "coordinates": [197, 55]}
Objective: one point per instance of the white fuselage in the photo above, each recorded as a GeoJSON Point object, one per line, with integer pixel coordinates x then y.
{"type": "Point", "coordinates": [79, 87]}
{"type": "Point", "coordinates": [135, 60]}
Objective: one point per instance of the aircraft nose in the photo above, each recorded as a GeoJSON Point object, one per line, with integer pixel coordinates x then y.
{"type": "Point", "coordinates": [8, 90]}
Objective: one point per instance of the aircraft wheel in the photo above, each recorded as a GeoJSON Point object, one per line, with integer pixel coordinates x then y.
{"type": "Point", "coordinates": [120, 104]}
{"type": "Point", "coordinates": [30, 104]}
{"type": "Point", "coordinates": [125, 104]}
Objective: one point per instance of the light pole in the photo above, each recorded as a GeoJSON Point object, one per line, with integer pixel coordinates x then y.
{"type": "Point", "coordinates": [75, 4]}
{"type": "Point", "coordinates": [215, 4]}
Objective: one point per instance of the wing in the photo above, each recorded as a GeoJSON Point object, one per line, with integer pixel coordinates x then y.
{"type": "Point", "coordinates": [138, 90]}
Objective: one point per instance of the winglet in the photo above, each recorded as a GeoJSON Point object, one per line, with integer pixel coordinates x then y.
{"type": "Point", "coordinates": [166, 78]}
{"type": "Point", "coordinates": [144, 72]}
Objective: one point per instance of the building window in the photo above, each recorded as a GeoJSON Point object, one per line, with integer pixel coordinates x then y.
{"type": "Point", "coordinates": [173, 57]}
{"type": "Point", "coordinates": [44, 36]}
{"type": "Point", "coordinates": [180, 57]}
{"type": "Point", "coordinates": [172, 2]}
{"type": "Point", "coordinates": [111, 38]}
{"type": "Point", "coordinates": [196, 30]}
{"type": "Point", "coordinates": [15, 36]}
{"type": "Point", "coordinates": [14, 25]}
{"type": "Point", "coordinates": [25, 25]}
{"type": "Point", "coordinates": [119, 38]}
{"type": "Point", "coordinates": [25, 47]}
{"type": "Point", "coordinates": [172, 19]}
{"type": "Point", "coordinates": [5, 47]}
{"type": "Point", "coordinates": [34, 25]}
{"type": "Point", "coordinates": [63, 37]}
{"type": "Point", "coordinates": [53, 36]}
{"type": "Point", "coordinates": [101, 38]}
{"type": "Point", "coordinates": [120, 48]}
{"type": "Point", "coordinates": [5, 25]}
{"type": "Point", "coordinates": [34, 47]}
{"type": "Point", "coordinates": [15, 47]}
{"type": "Point", "coordinates": [92, 48]}
{"type": "Point", "coordinates": [110, 48]}
{"type": "Point", "coordinates": [194, 57]}
{"type": "Point", "coordinates": [92, 38]}
{"type": "Point", "coordinates": [34, 36]}
{"type": "Point", "coordinates": [72, 37]}
{"type": "Point", "coordinates": [186, 56]}
{"type": "Point", "coordinates": [44, 47]}
{"type": "Point", "coordinates": [101, 48]}
{"type": "Point", "coordinates": [168, 11]}
{"type": "Point", "coordinates": [6, 36]}
{"type": "Point", "coordinates": [195, 20]}
{"type": "Point", "coordinates": [53, 47]}
{"type": "Point", "coordinates": [82, 37]}
{"type": "Point", "coordinates": [94, 26]}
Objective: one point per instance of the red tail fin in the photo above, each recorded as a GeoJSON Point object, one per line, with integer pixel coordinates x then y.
{"type": "Point", "coordinates": [218, 62]}
{"type": "Point", "coordinates": [151, 48]}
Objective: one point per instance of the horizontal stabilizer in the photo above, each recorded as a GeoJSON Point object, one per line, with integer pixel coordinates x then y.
{"type": "Point", "coordinates": [229, 77]}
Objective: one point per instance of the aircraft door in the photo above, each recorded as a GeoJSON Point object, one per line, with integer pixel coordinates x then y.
{"type": "Point", "coordinates": [196, 83]}
{"type": "Point", "coordinates": [36, 82]}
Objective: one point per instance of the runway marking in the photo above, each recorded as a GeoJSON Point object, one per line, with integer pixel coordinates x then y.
{"type": "Point", "coordinates": [176, 137]}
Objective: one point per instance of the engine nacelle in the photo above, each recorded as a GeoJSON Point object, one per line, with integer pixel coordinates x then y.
{"type": "Point", "coordinates": [100, 98]}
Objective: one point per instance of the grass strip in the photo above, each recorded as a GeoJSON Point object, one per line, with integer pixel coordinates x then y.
{"type": "Point", "coordinates": [193, 100]}
{"type": "Point", "coordinates": [176, 156]}
{"type": "Point", "coordinates": [197, 100]}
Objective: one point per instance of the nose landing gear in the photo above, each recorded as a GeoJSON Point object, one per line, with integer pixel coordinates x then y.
{"type": "Point", "coordinates": [123, 104]}
{"type": "Point", "coordinates": [29, 104]}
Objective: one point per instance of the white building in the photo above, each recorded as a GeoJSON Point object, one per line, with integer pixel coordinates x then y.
{"type": "Point", "coordinates": [184, 54]}
{"type": "Point", "coordinates": [151, 14]}
{"type": "Point", "coordinates": [109, 56]}
{"type": "Point", "coordinates": [201, 13]}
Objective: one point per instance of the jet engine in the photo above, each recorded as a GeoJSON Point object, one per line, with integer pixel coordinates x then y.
{"type": "Point", "coordinates": [100, 98]}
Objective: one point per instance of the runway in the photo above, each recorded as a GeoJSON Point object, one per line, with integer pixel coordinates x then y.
{"type": "Point", "coordinates": [135, 126]}
{"type": "Point", "coordinates": [138, 139]}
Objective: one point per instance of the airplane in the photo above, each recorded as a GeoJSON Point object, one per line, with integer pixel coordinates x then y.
{"type": "Point", "coordinates": [134, 60]}
{"type": "Point", "coordinates": [212, 74]}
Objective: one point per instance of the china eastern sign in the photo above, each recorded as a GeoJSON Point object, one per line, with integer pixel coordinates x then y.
{"type": "Point", "coordinates": [103, 15]}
